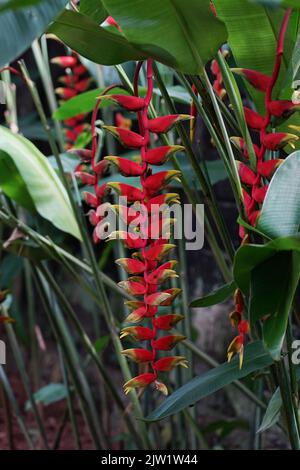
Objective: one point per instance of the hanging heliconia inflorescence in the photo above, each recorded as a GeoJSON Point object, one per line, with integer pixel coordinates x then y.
{"type": "Point", "coordinates": [75, 80]}
{"type": "Point", "coordinates": [255, 178]}
{"type": "Point", "coordinates": [147, 266]}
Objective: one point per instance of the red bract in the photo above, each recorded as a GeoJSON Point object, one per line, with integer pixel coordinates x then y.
{"type": "Point", "coordinates": [127, 138]}
{"type": "Point", "coordinates": [126, 167]}
{"type": "Point", "coordinates": [131, 103]}
{"type": "Point", "coordinates": [65, 61]}
{"type": "Point", "coordinates": [65, 93]}
{"type": "Point", "coordinates": [166, 343]}
{"type": "Point", "coordinates": [282, 108]}
{"type": "Point", "coordinates": [166, 364]}
{"type": "Point", "coordinates": [258, 80]}
{"type": "Point", "coordinates": [253, 119]}
{"type": "Point", "coordinates": [138, 355]}
{"type": "Point", "coordinates": [278, 140]}
{"type": "Point", "coordinates": [165, 123]}
{"type": "Point", "coordinates": [160, 155]}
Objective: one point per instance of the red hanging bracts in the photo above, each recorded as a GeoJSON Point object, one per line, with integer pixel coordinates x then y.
{"type": "Point", "coordinates": [147, 265]}
{"type": "Point", "coordinates": [74, 83]}
{"type": "Point", "coordinates": [253, 177]}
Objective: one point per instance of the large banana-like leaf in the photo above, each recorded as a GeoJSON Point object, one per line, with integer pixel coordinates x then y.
{"type": "Point", "coordinates": [19, 28]}
{"type": "Point", "coordinates": [42, 183]}
{"type": "Point", "coordinates": [183, 35]}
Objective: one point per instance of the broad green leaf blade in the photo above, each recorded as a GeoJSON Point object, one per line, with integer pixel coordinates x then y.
{"type": "Point", "coordinates": [12, 183]}
{"type": "Point", "coordinates": [49, 394]}
{"type": "Point", "coordinates": [44, 186]}
{"type": "Point", "coordinates": [83, 103]}
{"type": "Point", "coordinates": [18, 29]}
{"type": "Point", "coordinates": [272, 295]}
{"type": "Point", "coordinates": [248, 257]}
{"type": "Point", "coordinates": [272, 413]}
{"type": "Point", "coordinates": [92, 41]}
{"type": "Point", "coordinates": [15, 4]}
{"type": "Point", "coordinates": [280, 215]}
{"type": "Point", "coordinates": [256, 359]}
{"type": "Point", "coordinates": [274, 327]}
{"type": "Point", "coordinates": [94, 9]}
{"type": "Point", "coordinates": [179, 35]}
{"type": "Point", "coordinates": [248, 25]}
{"type": "Point", "coordinates": [216, 297]}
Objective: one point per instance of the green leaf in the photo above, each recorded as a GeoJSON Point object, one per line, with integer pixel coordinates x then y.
{"type": "Point", "coordinates": [49, 394]}
{"type": "Point", "coordinates": [101, 343]}
{"type": "Point", "coordinates": [94, 9]}
{"type": "Point", "coordinates": [280, 214]}
{"type": "Point", "coordinates": [257, 270]}
{"type": "Point", "coordinates": [272, 413]}
{"type": "Point", "coordinates": [181, 36]}
{"type": "Point", "coordinates": [242, 19]}
{"type": "Point", "coordinates": [86, 37]}
{"type": "Point", "coordinates": [15, 4]}
{"type": "Point", "coordinates": [12, 183]}
{"type": "Point", "coordinates": [83, 103]}
{"type": "Point", "coordinates": [256, 359]}
{"type": "Point", "coordinates": [248, 257]}
{"type": "Point", "coordinates": [216, 297]}
{"type": "Point", "coordinates": [44, 186]}
{"type": "Point", "coordinates": [273, 295]}
{"type": "Point", "coordinates": [19, 28]}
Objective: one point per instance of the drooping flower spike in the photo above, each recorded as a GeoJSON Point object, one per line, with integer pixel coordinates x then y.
{"type": "Point", "coordinates": [255, 178]}
{"type": "Point", "coordinates": [148, 268]}
{"type": "Point", "coordinates": [74, 81]}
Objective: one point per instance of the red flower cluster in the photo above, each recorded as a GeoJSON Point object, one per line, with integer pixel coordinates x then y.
{"type": "Point", "coordinates": [146, 266]}
{"type": "Point", "coordinates": [255, 180]}
{"type": "Point", "coordinates": [74, 81]}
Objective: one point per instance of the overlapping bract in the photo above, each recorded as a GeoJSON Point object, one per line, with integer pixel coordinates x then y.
{"type": "Point", "coordinates": [147, 267]}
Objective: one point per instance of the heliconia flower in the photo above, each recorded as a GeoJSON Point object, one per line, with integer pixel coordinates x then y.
{"type": "Point", "coordinates": [93, 217]}
{"type": "Point", "coordinates": [235, 318]}
{"type": "Point", "coordinates": [85, 178]}
{"type": "Point", "coordinates": [132, 266]}
{"type": "Point", "coordinates": [102, 190]}
{"type": "Point", "coordinates": [166, 343]}
{"type": "Point", "coordinates": [166, 198]}
{"type": "Point", "coordinates": [72, 122]}
{"type": "Point", "coordinates": [246, 174]}
{"type": "Point", "coordinates": [68, 79]}
{"type": "Point", "coordinates": [243, 327]}
{"type": "Point", "coordinates": [123, 189]}
{"type": "Point", "coordinates": [83, 85]}
{"type": "Point", "coordinates": [65, 93]}
{"type": "Point", "coordinates": [70, 135]}
{"type": "Point", "coordinates": [127, 138]}
{"type": "Point", "coordinates": [259, 193]}
{"type": "Point", "coordinates": [249, 203]}
{"type": "Point", "coordinates": [90, 199]}
{"type": "Point", "coordinates": [166, 364]}
{"type": "Point", "coordinates": [139, 381]}
{"type": "Point", "coordinates": [159, 155]}
{"type": "Point", "coordinates": [100, 168]}
{"type": "Point", "coordinates": [253, 119]}
{"type": "Point", "coordinates": [166, 322]}
{"type": "Point", "coordinates": [139, 333]}
{"type": "Point", "coordinates": [161, 387]}
{"type": "Point", "coordinates": [157, 181]}
{"type": "Point", "coordinates": [282, 108]}
{"type": "Point", "coordinates": [64, 61]}
{"type": "Point", "coordinates": [239, 300]}
{"type": "Point", "coordinates": [253, 217]}
{"type": "Point", "coordinates": [160, 275]}
{"type": "Point", "coordinates": [84, 154]}
{"type": "Point", "coordinates": [158, 252]}
{"type": "Point", "coordinates": [122, 121]}
{"type": "Point", "coordinates": [131, 103]}
{"type": "Point", "coordinates": [240, 144]}
{"type": "Point", "coordinates": [278, 140]}
{"type": "Point", "coordinates": [112, 22]}
{"type": "Point", "coordinates": [173, 293]}
{"type": "Point", "coordinates": [137, 315]}
{"type": "Point", "coordinates": [133, 287]}
{"type": "Point", "coordinates": [236, 347]}
{"type": "Point", "coordinates": [157, 298]}
{"type": "Point", "coordinates": [126, 167]}
{"type": "Point", "coordinates": [268, 167]}
{"type": "Point", "coordinates": [79, 69]}
{"type": "Point", "coordinates": [258, 80]}
{"type": "Point", "coordinates": [163, 124]}
{"type": "Point", "coordinates": [138, 355]}
{"type": "Point", "coordinates": [133, 243]}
